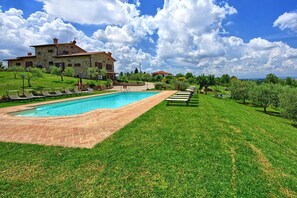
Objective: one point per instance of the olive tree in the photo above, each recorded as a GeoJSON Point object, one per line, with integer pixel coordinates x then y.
{"type": "Point", "coordinates": [288, 104]}
{"type": "Point", "coordinates": [15, 70]}
{"type": "Point", "coordinates": [32, 73]}
{"type": "Point", "coordinates": [69, 71]}
{"type": "Point", "coordinates": [93, 72]}
{"type": "Point", "coordinates": [266, 94]}
{"type": "Point", "coordinates": [240, 90]}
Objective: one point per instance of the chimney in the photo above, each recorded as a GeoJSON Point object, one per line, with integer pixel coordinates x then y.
{"type": "Point", "coordinates": [109, 54]}
{"type": "Point", "coordinates": [29, 53]}
{"type": "Point", "coordinates": [55, 41]}
{"type": "Point", "coordinates": [74, 42]}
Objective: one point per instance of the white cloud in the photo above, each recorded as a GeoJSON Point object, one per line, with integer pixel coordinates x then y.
{"type": "Point", "coordinates": [92, 11]}
{"type": "Point", "coordinates": [287, 21]}
{"type": "Point", "coordinates": [188, 35]}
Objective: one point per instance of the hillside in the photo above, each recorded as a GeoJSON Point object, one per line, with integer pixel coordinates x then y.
{"type": "Point", "coordinates": [7, 82]}
{"type": "Point", "coordinates": [216, 148]}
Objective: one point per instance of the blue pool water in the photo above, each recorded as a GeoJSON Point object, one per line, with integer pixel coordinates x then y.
{"type": "Point", "coordinates": [79, 106]}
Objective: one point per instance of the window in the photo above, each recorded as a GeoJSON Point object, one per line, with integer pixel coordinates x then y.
{"type": "Point", "coordinates": [108, 67]}
{"type": "Point", "coordinates": [69, 65]}
{"type": "Point", "coordinates": [65, 52]}
{"type": "Point", "coordinates": [99, 65]}
{"type": "Point", "coordinates": [29, 64]}
{"type": "Point", "coordinates": [51, 63]}
{"type": "Point", "coordinates": [39, 53]}
{"type": "Point", "coordinates": [77, 65]}
{"type": "Point", "coordinates": [50, 50]}
{"type": "Point", "coordinates": [18, 64]}
{"type": "Point", "coordinates": [39, 66]}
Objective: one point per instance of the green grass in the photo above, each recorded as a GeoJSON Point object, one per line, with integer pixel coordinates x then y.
{"type": "Point", "coordinates": [7, 82]}
{"type": "Point", "coordinates": [218, 148]}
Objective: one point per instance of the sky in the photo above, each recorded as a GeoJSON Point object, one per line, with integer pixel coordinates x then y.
{"type": "Point", "coordinates": [244, 38]}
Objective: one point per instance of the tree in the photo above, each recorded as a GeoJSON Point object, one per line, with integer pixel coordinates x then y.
{"type": "Point", "coordinates": [16, 70]}
{"type": "Point", "coordinates": [146, 77]}
{"type": "Point", "coordinates": [93, 72]}
{"type": "Point", "coordinates": [211, 80]}
{"type": "Point", "coordinates": [191, 80]}
{"type": "Point", "coordinates": [69, 71]}
{"type": "Point", "coordinates": [291, 82]}
{"type": "Point", "coordinates": [288, 104]}
{"type": "Point", "coordinates": [179, 75]}
{"type": "Point", "coordinates": [103, 72]}
{"type": "Point", "coordinates": [121, 74]}
{"type": "Point", "coordinates": [202, 81]}
{"type": "Point", "coordinates": [225, 79]}
{"type": "Point", "coordinates": [189, 75]}
{"type": "Point", "coordinates": [158, 78]}
{"type": "Point", "coordinates": [1, 66]}
{"type": "Point", "coordinates": [136, 71]}
{"type": "Point", "coordinates": [55, 71]}
{"type": "Point", "coordinates": [32, 73]}
{"type": "Point", "coordinates": [240, 90]}
{"type": "Point", "coordinates": [265, 94]}
{"type": "Point", "coordinates": [271, 78]}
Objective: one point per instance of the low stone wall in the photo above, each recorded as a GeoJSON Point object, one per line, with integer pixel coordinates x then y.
{"type": "Point", "coordinates": [129, 84]}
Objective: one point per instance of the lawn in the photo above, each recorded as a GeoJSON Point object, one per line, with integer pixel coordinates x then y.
{"type": "Point", "coordinates": [218, 148]}
{"type": "Point", "coordinates": [7, 82]}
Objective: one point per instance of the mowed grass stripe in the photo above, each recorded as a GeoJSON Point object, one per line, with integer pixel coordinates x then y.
{"type": "Point", "coordinates": [220, 148]}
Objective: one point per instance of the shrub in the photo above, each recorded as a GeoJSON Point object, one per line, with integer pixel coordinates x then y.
{"type": "Point", "coordinates": [183, 79]}
{"type": "Point", "coordinates": [69, 71]}
{"type": "Point", "coordinates": [179, 85]}
{"type": "Point", "coordinates": [55, 70]}
{"type": "Point", "coordinates": [160, 85]}
{"type": "Point", "coordinates": [92, 84]}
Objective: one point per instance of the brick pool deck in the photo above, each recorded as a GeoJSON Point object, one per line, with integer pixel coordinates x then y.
{"type": "Point", "coordinates": [84, 131]}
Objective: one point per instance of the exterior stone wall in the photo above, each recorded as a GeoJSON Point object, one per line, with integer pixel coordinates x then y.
{"type": "Point", "coordinates": [66, 55]}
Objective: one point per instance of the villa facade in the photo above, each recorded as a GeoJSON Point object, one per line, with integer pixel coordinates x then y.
{"type": "Point", "coordinates": [64, 55]}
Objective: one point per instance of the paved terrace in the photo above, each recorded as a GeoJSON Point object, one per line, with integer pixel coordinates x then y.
{"type": "Point", "coordinates": [83, 130]}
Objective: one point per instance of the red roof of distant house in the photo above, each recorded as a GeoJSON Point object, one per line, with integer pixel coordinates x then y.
{"type": "Point", "coordinates": [161, 72]}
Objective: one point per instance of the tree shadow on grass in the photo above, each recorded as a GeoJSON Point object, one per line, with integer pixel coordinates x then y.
{"type": "Point", "coordinates": [193, 103]}
{"type": "Point", "coordinates": [271, 113]}
{"type": "Point", "coordinates": [294, 124]}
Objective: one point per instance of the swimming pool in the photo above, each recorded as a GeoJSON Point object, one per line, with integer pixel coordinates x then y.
{"type": "Point", "coordinates": [79, 106]}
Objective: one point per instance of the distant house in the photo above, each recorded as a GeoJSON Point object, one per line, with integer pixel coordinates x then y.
{"type": "Point", "coordinates": [64, 55]}
{"type": "Point", "coordinates": [162, 73]}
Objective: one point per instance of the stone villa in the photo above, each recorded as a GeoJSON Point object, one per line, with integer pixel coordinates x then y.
{"type": "Point", "coordinates": [66, 55]}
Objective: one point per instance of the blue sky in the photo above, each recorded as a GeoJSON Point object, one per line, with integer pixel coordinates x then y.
{"type": "Point", "coordinates": [246, 38]}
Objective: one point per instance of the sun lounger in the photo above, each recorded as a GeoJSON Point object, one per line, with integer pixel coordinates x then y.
{"type": "Point", "coordinates": [15, 97]}
{"type": "Point", "coordinates": [89, 91]}
{"type": "Point", "coordinates": [47, 94]}
{"type": "Point", "coordinates": [185, 100]}
{"type": "Point", "coordinates": [30, 95]}
{"type": "Point", "coordinates": [77, 91]}
{"type": "Point", "coordinates": [68, 92]}
{"type": "Point", "coordinates": [59, 93]}
{"type": "Point", "coordinates": [184, 93]}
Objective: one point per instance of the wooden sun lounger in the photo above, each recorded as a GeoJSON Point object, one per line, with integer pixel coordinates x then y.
{"type": "Point", "coordinates": [68, 92]}
{"type": "Point", "coordinates": [47, 94]}
{"type": "Point", "coordinates": [186, 100]}
{"type": "Point", "coordinates": [15, 97]}
{"type": "Point", "coordinates": [30, 95]}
